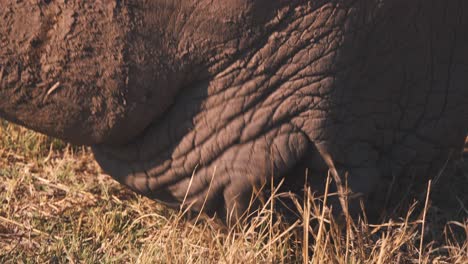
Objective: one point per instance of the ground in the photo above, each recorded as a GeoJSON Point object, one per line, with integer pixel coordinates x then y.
{"type": "Point", "coordinates": [56, 206]}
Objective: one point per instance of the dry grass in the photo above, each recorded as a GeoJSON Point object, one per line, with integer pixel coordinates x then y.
{"type": "Point", "coordinates": [56, 207]}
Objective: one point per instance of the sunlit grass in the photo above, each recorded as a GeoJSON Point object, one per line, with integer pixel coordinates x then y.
{"type": "Point", "coordinates": [56, 207]}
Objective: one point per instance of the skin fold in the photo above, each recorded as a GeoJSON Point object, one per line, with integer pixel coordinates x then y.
{"type": "Point", "coordinates": [204, 102]}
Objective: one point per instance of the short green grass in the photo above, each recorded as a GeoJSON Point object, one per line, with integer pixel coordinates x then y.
{"type": "Point", "coordinates": [56, 206]}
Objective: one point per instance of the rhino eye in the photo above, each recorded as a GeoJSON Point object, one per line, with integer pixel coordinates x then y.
{"type": "Point", "coordinates": [46, 1]}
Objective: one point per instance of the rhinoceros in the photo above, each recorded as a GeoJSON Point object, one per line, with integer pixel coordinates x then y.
{"type": "Point", "coordinates": [204, 102]}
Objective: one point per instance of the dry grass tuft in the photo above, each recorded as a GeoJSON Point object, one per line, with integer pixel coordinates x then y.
{"type": "Point", "coordinates": [56, 206]}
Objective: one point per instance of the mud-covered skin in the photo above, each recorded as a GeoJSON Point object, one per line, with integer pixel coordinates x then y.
{"type": "Point", "coordinates": [204, 101]}
{"type": "Point", "coordinates": [117, 65]}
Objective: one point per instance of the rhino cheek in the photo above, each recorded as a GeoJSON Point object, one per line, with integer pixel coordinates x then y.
{"type": "Point", "coordinates": [79, 71]}
{"type": "Point", "coordinates": [57, 61]}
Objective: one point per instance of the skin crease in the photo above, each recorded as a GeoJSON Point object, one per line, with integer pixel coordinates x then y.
{"type": "Point", "coordinates": [204, 102]}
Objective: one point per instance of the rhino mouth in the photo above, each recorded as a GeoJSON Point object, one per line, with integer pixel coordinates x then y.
{"type": "Point", "coordinates": [145, 162]}
{"type": "Point", "coordinates": [196, 153]}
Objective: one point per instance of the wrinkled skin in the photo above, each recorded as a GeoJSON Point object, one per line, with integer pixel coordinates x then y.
{"type": "Point", "coordinates": [205, 101]}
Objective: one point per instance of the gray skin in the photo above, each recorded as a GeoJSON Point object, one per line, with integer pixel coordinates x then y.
{"type": "Point", "coordinates": [205, 101]}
